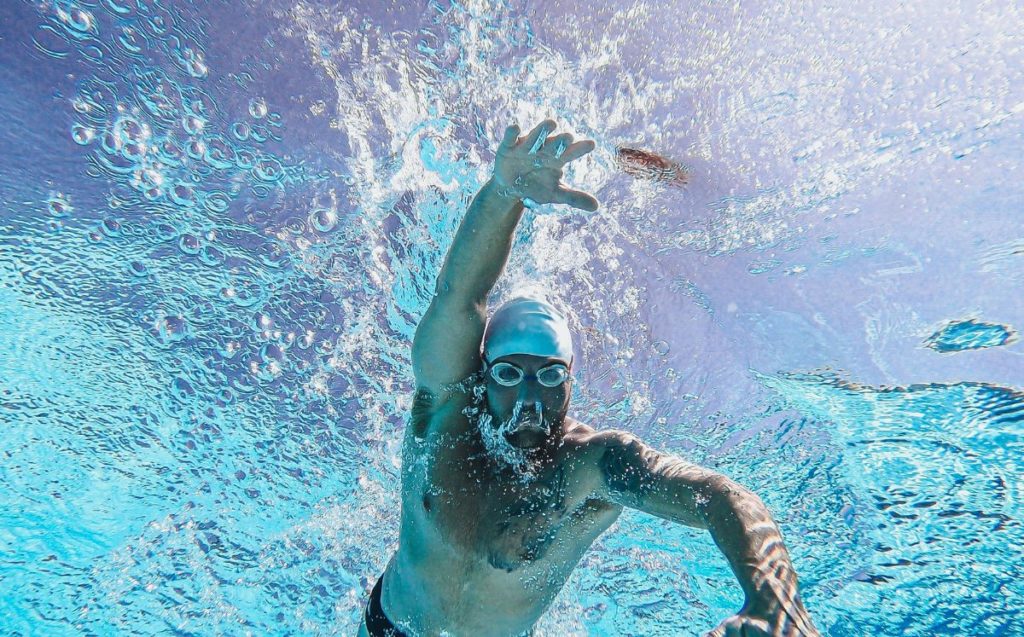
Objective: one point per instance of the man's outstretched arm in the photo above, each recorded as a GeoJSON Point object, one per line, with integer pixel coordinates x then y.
{"type": "Point", "coordinates": [637, 476]}
{"type": "Point", "coordinates": [446, 348]}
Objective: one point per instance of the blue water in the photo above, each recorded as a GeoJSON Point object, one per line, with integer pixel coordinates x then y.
{"type": "Point", "coordinates": [222, 222]}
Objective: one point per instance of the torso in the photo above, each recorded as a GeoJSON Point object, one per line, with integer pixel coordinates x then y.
{"type": "Point", "coordinates": [481, 552]}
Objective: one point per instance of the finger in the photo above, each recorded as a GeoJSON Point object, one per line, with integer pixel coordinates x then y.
{"type": "Point", "coordinates": [556, 145]}
{"type": "Point", "coordinates": [576, 199]}
{"type": "Point", "coordinates": [535, 138]}
{"type": "Point", "coordinates": [577, 150]}
{"type": "Point", "coordinates": [511, 135]}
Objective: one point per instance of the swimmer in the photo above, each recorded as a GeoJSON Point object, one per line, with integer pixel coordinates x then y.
{"type": "Point", "coordinates": [502, 491]}
{"type": "Point", "coordinates": [643, 164]}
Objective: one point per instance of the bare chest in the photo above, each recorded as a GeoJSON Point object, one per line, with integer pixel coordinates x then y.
{"type": "Point", "coordinates": [504, 521]}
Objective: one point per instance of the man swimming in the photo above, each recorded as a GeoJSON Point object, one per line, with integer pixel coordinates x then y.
{"type": "Point", "coordinates": [502, 491]}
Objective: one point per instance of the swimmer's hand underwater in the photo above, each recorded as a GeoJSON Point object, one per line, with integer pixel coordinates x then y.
{"type": "Point", "coordinates": [530, 168]}
{"type": "Point", "coordinates": [768, 618]}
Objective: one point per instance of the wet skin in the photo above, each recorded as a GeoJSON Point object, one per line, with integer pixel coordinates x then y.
{"type": "Point", "coordinates": [481, 551]}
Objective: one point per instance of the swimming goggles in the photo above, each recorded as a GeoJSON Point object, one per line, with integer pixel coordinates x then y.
{"type": "Point", "coordinates": [511, 375]}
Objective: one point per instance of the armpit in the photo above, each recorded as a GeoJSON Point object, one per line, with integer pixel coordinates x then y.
{"type": "Point", "coordinates": [423, 404]}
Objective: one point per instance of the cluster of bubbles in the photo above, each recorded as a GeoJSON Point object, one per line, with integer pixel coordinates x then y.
{"type": "Point", "coordinates": [168, 149]}
{"type": "Point", "coordinates": [176, 163]}
{"type": "Point", "coordinates": [151, 126]}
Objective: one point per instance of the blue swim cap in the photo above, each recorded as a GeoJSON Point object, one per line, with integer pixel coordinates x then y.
{"type": "Point", "coordinates": [528, 326]}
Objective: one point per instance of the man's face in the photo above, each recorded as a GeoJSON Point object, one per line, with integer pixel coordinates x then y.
{"type": "Point", "coordinates": [527, 415]}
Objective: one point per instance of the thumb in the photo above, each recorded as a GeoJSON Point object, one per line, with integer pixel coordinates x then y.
{"type": "Point", "coordinates": [577, 199]}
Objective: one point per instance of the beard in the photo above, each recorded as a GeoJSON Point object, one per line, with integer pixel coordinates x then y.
{"type": "Point", "coordinates": [511, 441]}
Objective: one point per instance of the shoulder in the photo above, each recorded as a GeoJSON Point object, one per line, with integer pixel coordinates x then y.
{"type": "Point", "coordinates": [598, 448]}
{"type": "Point", "coordinates": [587, 437]}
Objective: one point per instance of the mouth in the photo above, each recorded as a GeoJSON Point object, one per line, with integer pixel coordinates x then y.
{"type": "Point", "coordinates": [527, 433]}
{"type": "Point", "coordinates": [527, 429]}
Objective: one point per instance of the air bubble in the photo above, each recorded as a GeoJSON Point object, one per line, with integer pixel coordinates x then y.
{"type": "Point", "coordinates": [240, 131]}
{"type": "Point", "coordinates": [193, 124]}
{"type": "Point", "coordinates": [324, 220]}
{"type": "Point", "coordinates": [111, 227]}
{"type": "Point", "coordinates": [138, 268]}
{"type": "Point", "coordinates": [133, 151]}
{"type": "Point", "coordinates": [258, 108]}
{"type": "Point", "coordinates": [245, 159]}
{"type": "Point", "coordinates": [268, 169]}
{"type": "Point", "coordinates": [261, 322]}
{"type": "Point", "coordinates": [131, 40]}
{"type": "Point", "coordinates": [195, 148]}
{"type": "Point", "coordinates": [78, 21]}
{"type": "Point", "coordinates": [58, 205]}
{"type": "Point", "coordinates": [82, 135]}
{"type": "Point", "coordinates": [189, 244]}
{"type": "Point", "coordinates": [171, 329]}
{"type": "Point", "coordinates": [259, 134]}
{"type": "Point", "coordinates": [165, 232]}
{"type": "Point", "coordinates": [219, 153]}
{"type": "Point", "coordinates": [272, 353]}
{"type": "Point", "coordinates": [147, 179]}
{"type": "Point", "coordinates": [211, 255]}
{"type": "Point", "coordinates": [169, 152]}
{"type": "Point", "coordinates": [197, 67]}
{"type": "Point", "coordinates": [182, 390]}
{"type": "Point", "coordinates": [128, 129]}
{"type": "Point", "coordinates": [182, 194]}
{"type": "Point", "coordinates": [217, 202]}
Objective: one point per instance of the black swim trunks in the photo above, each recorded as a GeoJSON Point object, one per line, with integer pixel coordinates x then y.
{"type": "Point", "coordinates": [377, 623]}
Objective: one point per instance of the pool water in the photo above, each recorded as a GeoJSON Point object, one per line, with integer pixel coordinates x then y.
{"type": "Point", "coordinates": [222, 221]}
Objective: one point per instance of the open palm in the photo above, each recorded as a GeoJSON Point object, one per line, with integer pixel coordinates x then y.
{"type": "Point", "coordinates": [530, 167]}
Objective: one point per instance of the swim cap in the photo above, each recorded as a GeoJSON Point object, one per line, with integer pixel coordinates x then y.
{"type": "Point", "coordinates": [528, 326]}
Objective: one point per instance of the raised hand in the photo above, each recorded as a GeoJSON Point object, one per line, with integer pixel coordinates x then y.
{"type": "Point", "coordinates": [530, 168]}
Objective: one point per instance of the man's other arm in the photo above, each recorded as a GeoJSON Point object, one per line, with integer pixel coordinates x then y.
{"type": "Point", "coordinates": [636, 476]}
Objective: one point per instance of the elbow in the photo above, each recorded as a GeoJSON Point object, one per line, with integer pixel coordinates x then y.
{"type": "Point", "coordinates": [723, 496]}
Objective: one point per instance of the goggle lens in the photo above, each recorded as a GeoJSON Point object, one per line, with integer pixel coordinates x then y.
{"type": "Point", "coordinates": [509, 375]}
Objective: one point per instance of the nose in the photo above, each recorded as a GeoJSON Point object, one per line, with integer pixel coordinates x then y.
{"type": "Point", "coordinates": [529, 392]}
